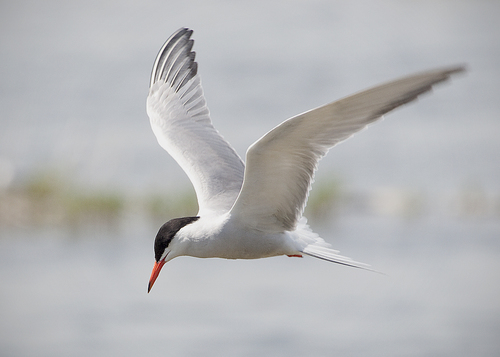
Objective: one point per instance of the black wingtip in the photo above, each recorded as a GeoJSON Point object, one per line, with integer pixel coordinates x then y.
{"type": "Point", "coordinates": [175, 61]}
{"type": "Point", "coordinates": [457, 69]}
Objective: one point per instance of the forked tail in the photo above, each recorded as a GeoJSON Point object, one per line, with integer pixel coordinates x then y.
{"type": "Point", "coordinates": [332, 255]}
{"type": "Point", "coordinates": [310, 243]}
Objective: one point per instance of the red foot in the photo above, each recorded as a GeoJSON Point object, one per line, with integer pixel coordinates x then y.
{"type": "Point", "coordinates": [295, 256]}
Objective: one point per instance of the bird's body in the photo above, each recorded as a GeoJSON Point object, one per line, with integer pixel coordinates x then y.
{"type": "Point", "coordinates": [222, 237]}
{"type": "Point", "coordinates": [255, 210]}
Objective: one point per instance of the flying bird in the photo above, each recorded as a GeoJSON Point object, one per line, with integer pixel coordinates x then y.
{"type": "Point", "coordinates": [254, 209]}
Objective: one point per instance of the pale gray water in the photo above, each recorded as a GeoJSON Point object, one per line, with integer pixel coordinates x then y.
{"type": "Point", "coordinates": [87, 296]}
{"type": "Point", "coordinates": [73, 82]}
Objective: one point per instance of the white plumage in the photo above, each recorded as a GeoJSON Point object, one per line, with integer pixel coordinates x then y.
{"type": "Point", "coordinates": [254, 211]}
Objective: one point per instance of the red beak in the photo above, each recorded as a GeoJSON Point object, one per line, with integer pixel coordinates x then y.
{"type": "Point", "coordinates": [155, 273]}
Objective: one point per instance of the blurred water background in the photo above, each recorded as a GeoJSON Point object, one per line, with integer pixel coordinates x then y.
{"type": "Point", "coordinates": [84, 186]}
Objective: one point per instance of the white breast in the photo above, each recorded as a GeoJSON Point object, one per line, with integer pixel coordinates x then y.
{"type": "Point", "coordinates": [222, 237]}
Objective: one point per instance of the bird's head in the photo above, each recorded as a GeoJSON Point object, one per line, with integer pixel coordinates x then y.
{"type": "Point", "coordinates": [167, 244]}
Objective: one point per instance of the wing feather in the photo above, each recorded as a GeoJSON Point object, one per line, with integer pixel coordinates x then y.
{"type": "Point", "coordinates": [180, 120]}
{"type": "Point", "coordinates": [280, 166]}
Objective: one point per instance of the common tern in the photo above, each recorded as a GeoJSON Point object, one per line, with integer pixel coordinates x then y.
{"type": "Point", "coordinates": [253, 210]}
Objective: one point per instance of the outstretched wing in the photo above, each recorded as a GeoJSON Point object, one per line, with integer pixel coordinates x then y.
{"type": "Point", "coordinates": [180, 120]}
{"type": "Point", "coordinates": [280, 166]}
